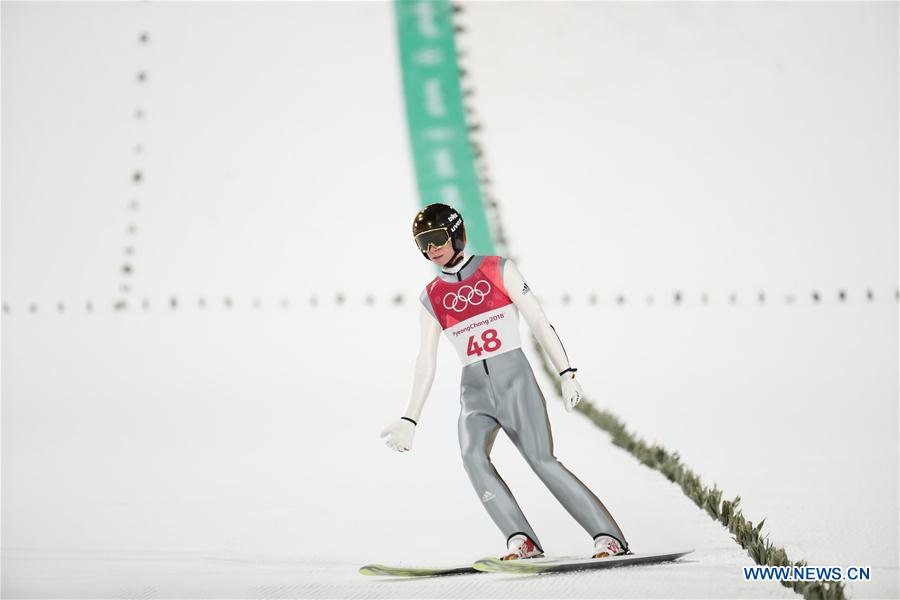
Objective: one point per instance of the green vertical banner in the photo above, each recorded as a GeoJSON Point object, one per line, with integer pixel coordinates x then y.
{"type": "Point", "coordinates": [439, 135]}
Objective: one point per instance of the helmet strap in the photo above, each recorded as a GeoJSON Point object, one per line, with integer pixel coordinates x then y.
{"type": "Point", "coordinates": [454, 260]}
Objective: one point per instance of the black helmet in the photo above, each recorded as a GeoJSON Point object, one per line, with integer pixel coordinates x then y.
{"type": "Point", "coordinates": [435, 224]}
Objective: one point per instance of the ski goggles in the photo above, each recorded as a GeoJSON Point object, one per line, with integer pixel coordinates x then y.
{"type": "Point", "coordinates": [433, 237]}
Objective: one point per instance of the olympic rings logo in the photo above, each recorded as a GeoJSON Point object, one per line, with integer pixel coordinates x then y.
{"type": "Point", "coordinates": [474, 296]}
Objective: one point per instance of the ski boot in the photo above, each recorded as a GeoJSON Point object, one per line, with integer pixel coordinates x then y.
{"type": "Point", "coordinates": [605, 545]}
{"type": "Point", "coordinates": [521, 546]}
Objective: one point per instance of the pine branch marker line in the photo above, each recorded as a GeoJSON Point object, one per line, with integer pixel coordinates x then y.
{"type": "Point", "coordinates": [744, 532]}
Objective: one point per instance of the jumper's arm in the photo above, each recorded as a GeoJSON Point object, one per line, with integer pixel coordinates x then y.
{"type": "Point", "coordinates": [426, 362]}
{"type": "Point", "coordinates": [530, 308]}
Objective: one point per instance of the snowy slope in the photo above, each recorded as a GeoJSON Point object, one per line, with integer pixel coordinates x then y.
{"type": "Point", "coordinates": [189, 454]}
{"type": "Point", "coordinates": [220, 436]}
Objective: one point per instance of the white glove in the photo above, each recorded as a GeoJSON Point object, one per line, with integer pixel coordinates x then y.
{"type": "Point", "coordinates": [400, 435]}
{"type": "Point", "coordinates": [571, 391]}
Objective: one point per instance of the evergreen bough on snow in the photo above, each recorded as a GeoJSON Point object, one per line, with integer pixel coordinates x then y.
{"type": "Point", "coordinates": [744, 532]}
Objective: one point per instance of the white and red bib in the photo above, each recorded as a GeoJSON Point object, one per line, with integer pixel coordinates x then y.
{"type": "Point", "coordinates": [476, 314]}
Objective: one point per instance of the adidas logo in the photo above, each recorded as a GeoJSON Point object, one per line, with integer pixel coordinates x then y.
{"type": "Point", "coordinates": [525, 289]}
{"type": "Point", "coordinates": [488, 496]}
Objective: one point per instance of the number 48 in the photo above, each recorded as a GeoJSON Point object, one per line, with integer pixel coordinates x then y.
{"type": "Point", "coordinates": [491, 343]}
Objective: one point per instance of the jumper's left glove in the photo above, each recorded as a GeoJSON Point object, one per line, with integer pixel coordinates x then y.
{"type": "Point", "coordinates": [571, 391]}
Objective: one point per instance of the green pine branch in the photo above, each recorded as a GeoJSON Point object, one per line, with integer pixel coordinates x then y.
{"type": "Point", "coordinates": [747, 535]}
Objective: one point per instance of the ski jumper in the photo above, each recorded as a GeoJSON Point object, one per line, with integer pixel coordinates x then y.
{"type": "Point", "coordinates": [498, 390]}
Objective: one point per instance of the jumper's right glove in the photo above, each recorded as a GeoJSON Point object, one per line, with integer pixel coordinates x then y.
{"type": "Point", "coordinates": [400, 434]}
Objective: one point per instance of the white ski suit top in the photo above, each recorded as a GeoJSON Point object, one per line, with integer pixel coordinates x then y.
{"type": "Point", "coordinates": [529, 308]}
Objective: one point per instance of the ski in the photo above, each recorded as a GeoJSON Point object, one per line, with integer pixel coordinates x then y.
{"type": "Point", "coordinates": [571, 563]}
{"type": "Point", "coordinates": [377, 569]}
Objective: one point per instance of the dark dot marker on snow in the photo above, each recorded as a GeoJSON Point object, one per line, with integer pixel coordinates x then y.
{"type": "Point", "coordinates": [145, 304]}
{"type": "Point", "coordinates": [126, 269]}
{"type": "Point", "coordinates": [173, 302]}
{"type": "Point", "coordinates": [60, 307]}
{"type": "Point", "coordinates": [869, 295]}
{"type": "Point", "coordinates": [398, 299]}
{"type": "Point", "coordinates": [120, 305]}
{"type": "Point", "coordinates": [201, 302]}
{"type": "Point", "coordinates": [732, 298]}
{"type": "Point", "coordinates": [137, 177]}
{"type": "Point", "coordinates": [677, 297]}
{"type": "Point", "coordinates": [566, 299]}
{"type": "Point", "coordinates": [139, 114]}
{"type": "Point", "coordinates": [142, 76]}
{"type": "Point", "coordinates": [339, 298]}
{"type": "Point", "coordinates": [370, 300]}
{"type": "Point", "coordinates": [592, 298]}
{"type": "Point", "coordinates": [762, 297]}
{"type": "Point", "coordinates": [815, 296]}
{"type": "Point", "coordinates": [704, 298]}
{"type": "Point", "coordinates": [313, 301]}
{"type": "Point", "coordinates": [842, 295]}
{"type": "Point", "coordinates": [144, 38]}
{"type": "Point", "coordinates": [132, 229]}
{"type": "Point", "coordinates": [620, 299]}
{"type": "Point", "coordinates": [6, 308]}
{"type": "Point", "coordinates": [32, 308]}
{"type": "Point", "coordinates": [89, 306]}
{"type": "Point", "coordinates": [228, 302]}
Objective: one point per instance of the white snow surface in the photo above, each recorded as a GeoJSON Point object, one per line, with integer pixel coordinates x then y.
{"type": "Point", "coordinates": [635, 148]}
{"type": "Point", "coordinates": [236, 454]}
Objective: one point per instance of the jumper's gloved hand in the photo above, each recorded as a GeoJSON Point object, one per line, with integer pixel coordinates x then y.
{"type": "Point", "coordinates": [571, 391]}
{"type": "Point", "coordinates": [400, 435]}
